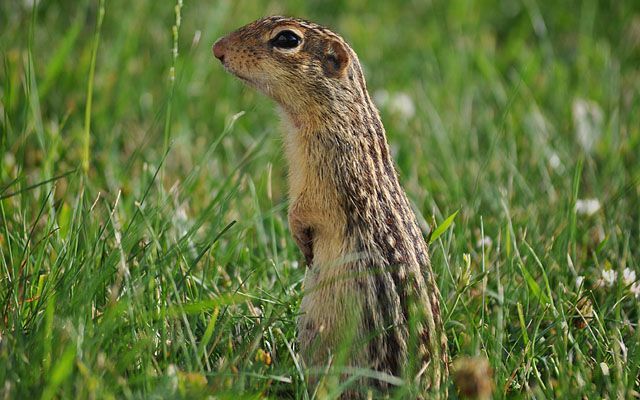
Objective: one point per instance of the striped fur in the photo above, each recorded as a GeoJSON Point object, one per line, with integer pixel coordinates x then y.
{"type": "Point", "coordinates": [369, 281]}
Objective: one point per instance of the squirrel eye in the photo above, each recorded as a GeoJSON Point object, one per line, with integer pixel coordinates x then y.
{"type": "Point", "coordinates": [286, 40]}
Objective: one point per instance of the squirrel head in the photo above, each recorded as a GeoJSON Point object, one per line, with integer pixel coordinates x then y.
{"type": "Point", "coordinates": [303, 66]}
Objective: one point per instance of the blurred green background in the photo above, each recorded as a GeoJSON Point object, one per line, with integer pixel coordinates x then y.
{"type": "Point", "coordinates": [165, 268]}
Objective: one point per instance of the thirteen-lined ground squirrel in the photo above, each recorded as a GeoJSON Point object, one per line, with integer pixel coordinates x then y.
{"type": "Point", "coordinates": [370, 296]}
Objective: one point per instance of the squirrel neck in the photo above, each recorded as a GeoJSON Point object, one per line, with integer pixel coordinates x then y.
{"type": "Point", "coordinates": [345, 123]}
{"type": "Point", "coordinates": [343, 149]}
{"type": "Point", "coordinates": [340, 135]}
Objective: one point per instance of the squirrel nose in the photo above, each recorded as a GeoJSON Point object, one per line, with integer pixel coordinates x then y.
{"type": "Point", "coordinates": [219, 48]}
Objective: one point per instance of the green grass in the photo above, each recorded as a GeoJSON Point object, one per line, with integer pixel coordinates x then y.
{"type": "Point", "coordinates": [167, 269]}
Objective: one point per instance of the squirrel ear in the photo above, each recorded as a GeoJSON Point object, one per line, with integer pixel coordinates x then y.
{"type": "Point", "coordinates": [336, 59]}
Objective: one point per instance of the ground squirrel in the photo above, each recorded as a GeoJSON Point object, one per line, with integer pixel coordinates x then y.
{"type": "Point", "coordinates": [369, 276]}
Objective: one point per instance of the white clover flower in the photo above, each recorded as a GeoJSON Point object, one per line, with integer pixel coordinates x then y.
{"type": "Point", "coordinates": [399, 103]}
{"type": "Point", "coordinates": [402, 104]}
{"type": "Point", "coordinates": [635, 289]}
{"type": "Point", "coordinates": [628, 276]}
{"type": "Point", "coordinates": [587, 206]}
{"type": "Point", "coordinates": [588, 120]}
{"type": "Point", "coordinates": [381, 98]}
{"type": "Point", "coordinates": [609, 276]}
{"type": "Point", "coordinates": [484, 241]}
{"type": "Point", "coordinates": [554, 161]}
{"type": "Point", "coordinates": [29, 3]}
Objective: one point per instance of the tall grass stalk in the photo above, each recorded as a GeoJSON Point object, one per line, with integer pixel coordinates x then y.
{"type": "Point", "coordinates": [175, 31]}
{"type": "Point", "coordinates": [86, 151]}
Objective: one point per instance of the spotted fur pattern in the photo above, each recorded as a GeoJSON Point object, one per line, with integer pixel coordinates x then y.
{"type": "Point", "coordinates": [369, 281]}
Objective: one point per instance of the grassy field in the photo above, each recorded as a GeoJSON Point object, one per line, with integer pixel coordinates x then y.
{"type": "Point", "coordinates": [144, 249]}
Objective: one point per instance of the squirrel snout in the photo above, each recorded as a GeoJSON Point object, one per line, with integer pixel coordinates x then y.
{"type": "Point", "coordinates": [219, 49]}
